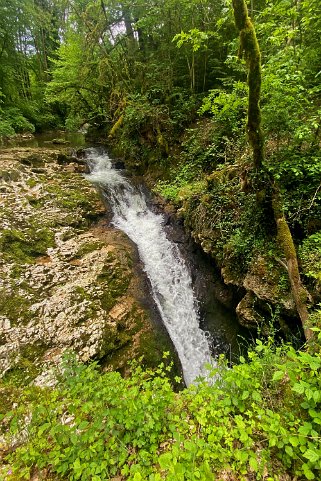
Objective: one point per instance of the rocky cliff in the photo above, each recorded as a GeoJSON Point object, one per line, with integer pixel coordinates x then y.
{"type": "Point", "coordinates": [66, 277]}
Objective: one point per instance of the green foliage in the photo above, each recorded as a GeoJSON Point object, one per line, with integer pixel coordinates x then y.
{"type": "Point", "coordinates": [259, 418]}
{"type": "Point", "coordinates": [195, 37]}
{"type": "Point", "coordinates": [202, 148]}
{"type": "Point", "coordinates": [298, 173]}
{"type": "Point", "coordinates": [28, 36]}
{"type": "Point", "coordinates": [18, 122]}
{"type": "Point", "coordinates": [6, 129]}
{"type": "Point", "coordinates": [310, 256]}
{"type": "Point", "coordinates": [285, 100]}
{"type": "Point", "coordinates": [227, 107]}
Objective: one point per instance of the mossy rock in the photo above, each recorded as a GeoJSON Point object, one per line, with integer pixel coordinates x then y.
{"type": "Point", "coordinates": [116, 276]}
{"type": "Point", "coordinates": [10, 175]}
{"type": "Point", "coordinates": [15, 306]}
{"type": "Point", "coordinates": [23, 373]}
{"type": "Point", "coordinates": [33, 160]}
{"type": "Point", "coordinates": [87, 248]}
{"type": "Point", "coordinates": [24, 246]}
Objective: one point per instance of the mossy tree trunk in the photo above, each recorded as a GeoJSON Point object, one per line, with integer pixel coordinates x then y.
{"type": "Point", "coordinates": [285, 241]}
{"type": "Point", "coordinates": [249, 49]}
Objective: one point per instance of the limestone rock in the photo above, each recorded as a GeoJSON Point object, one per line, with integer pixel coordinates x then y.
{"type": "Point", "coordinates": [65, 284]}
{"type": "Point", "coordinates": [264, 281]}
{"type": "Point", "coordinates": [246, 312]}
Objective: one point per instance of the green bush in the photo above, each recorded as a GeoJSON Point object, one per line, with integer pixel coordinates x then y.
{"type": "Point", "coordinates": [6, 130]}
{"type": "Point", "coordinates": [260, 418]}
{"type": "Point", "coordinates": [18, 122]}
{"type": "Point", "coordinates": [228, 108]}
{"type": "Point", "coordinates": [310, 256]}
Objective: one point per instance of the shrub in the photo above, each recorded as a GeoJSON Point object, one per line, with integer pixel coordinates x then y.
{"type": "Point", "coordinates": [260, 418]}
{"type": "Point", "coordinates": [18, 122]}
{"type": "Point", "coordinates": [6, 130]}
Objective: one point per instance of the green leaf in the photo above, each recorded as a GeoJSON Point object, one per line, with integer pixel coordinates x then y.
{"type": "Point", "coordinates": [83, 425]}
{"type": "Point", "coordinates": [307, 472]}
{"type": "Point", "coordinates": [305, 429]}
{"type": "Point", "coordinates": [43, 428]}
{"type": "Point", "coordinates": [245, 395]}
{"type": "Point", "coordinates": [253, 464]}
{"type": "Point", "coordinates": [294, 440]}
{"type": "Point", "coordinates": [311, 455]}
{"type": "Point", "coordinates": [289, 451]}
{"type": "Point", "coordinates": [299, 388]}
{"type": "Point", "coordinates": [278, 375]}
{"type": "Point", "coordinates": [77, 465]}
{"type": "Point", "coordinates": [165, 460]}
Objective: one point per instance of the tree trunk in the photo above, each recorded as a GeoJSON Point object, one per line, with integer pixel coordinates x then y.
{"type": "Point", "coordinates": [249, 48]}
{"type": "Point", "coordinates": [286, 243]}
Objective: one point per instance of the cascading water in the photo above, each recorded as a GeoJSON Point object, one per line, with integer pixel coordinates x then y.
{"type": "Point", "coordinates": [169, 277]}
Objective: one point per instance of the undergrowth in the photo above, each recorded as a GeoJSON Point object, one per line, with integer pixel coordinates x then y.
{"type": "Point", "coordinates": [257, 420]}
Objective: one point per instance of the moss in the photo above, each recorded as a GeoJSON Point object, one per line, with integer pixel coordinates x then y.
{"type": "Point", "coordinates": [80, 294]}
{"type": "Point", "coordinates": [33, 352]}
{"type": "Point", "coordinates": [31, 182]}
{"type": "Point", "coordinates": [116, 276]}
{"type": "Point", "coordinates": [22, 374]}
{"type": "Point", "coordinates": [24, 246]}
{"type": "Point", "coordinates": [250, 48]}
{"type": "Point", "coordinates": [88, 247]}
{"type": "Point", "coordinates": [36, 203]}
{"type": "Point", "coordinates": [285, 239]}
{"type": "Point", "coordinates": [114, 341]}
{"type": "Point", "coordinates": [8, 396]}
{"type": "Point", "coordinates": [115, 288]}
{"type": "Point", "coordinates": [116, 126]}
{"type": "Point", "coordinates": [28, 366]}
{"type": "Point", "coordinates": [15, 307]}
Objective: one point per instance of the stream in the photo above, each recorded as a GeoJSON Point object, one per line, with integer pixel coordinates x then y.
{"type": "Point", "coordinates": [169, 277]}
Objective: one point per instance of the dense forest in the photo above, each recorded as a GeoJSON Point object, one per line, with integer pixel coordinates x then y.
{"type": "Point", "coordinates": [217, 104]}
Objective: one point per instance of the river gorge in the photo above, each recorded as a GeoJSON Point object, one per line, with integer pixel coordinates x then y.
{"type": "Point", "coordinates": [109, 286]}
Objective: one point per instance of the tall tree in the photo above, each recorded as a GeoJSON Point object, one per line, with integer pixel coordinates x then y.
{"type": "Point", "coordinates": [250, 49]}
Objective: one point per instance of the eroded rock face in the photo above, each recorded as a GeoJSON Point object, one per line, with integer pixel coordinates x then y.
{"type": "Point", "coordinates": [65, 283]}
{"type": "Point", "coordinates": [262, 286]}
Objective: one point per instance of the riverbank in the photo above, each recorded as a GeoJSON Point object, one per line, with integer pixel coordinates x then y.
{"type": "Point", "coordinates": [214, 202]}
{"type": "Point", "coordinates": [67, 279]}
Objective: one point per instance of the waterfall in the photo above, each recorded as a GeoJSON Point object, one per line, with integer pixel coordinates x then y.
{"type": "Point", "coordinates": [168, 275]}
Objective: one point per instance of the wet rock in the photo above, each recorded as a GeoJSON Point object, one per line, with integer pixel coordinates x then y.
{"type": "Point", "coordinates": [60, 141]}
{"type": "Point", "coordinates": [63, 158]}
{"type": "Point", "coordinates": [34, 160]}
{"type": "Point", "coordinates": [80, 153]}
{"type": "Point", "coordinates": [119, 165]}
{"type": "Point", "coordinates": [73, 163]}
{"type": "Point", "coordinates": [246, 312]}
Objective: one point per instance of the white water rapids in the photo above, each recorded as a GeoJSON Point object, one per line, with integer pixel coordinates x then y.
{"type": "Point", "coordinates": [168, 275]}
